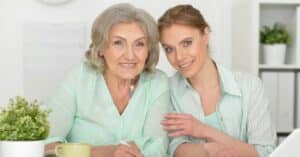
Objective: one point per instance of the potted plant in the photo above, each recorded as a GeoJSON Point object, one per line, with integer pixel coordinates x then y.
{"type": "Point", "coordinates": [23, 127]}
{"type": "Point", "coordinates": [274, 40]}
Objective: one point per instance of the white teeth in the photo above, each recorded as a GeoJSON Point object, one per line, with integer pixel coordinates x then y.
{"type": "Point", "coordinates": [128, 65]}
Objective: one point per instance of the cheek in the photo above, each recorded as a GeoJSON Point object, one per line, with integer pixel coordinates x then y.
{"type": "Point", "coordinates": [111, 56]}
{"type": "Point", "coordinates": [142, 56]}
{"type": "Point", "coordinates": [200, 51]}
{"type": "Point", "coordinates": [172, 59]}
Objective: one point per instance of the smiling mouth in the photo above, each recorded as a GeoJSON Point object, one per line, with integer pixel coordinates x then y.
{"type": "Point", "coordinates": [186, 65]}
{"type": "Point", "coordinates": [128, 65]}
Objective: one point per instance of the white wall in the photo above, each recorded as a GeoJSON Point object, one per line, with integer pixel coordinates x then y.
{"type": "Point", "coordinates": [10, 56]}
{"type": "Point", "coordinates": [14, 13]}
{"type": "Point", "coordinates": [242, 55]}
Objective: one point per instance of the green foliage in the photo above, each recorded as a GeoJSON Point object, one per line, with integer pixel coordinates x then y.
{"type": "Point", "coordinates": [276, 35]}
{"type": "Point", "coordinates": [23, 121]}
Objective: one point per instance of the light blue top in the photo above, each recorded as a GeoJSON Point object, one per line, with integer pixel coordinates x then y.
{"type": "Point", "coordinates": [213, 121]}
{"type": "Point", "coordinates": [83, 111]}
{"type": "Point", "coordinates": [242, 111]}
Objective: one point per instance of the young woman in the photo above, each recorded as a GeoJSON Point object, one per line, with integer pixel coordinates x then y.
{"type": "Point", "coordinates": [219, 112]}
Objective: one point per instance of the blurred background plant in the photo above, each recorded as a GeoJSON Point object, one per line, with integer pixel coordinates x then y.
{"type": "Point", "coordinates": [278, 34]}
{"type": "Point", "coordinates": [21, 120]}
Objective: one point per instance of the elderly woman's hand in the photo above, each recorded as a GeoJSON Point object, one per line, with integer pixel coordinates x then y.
{"type": "Point", "coordinates": [184, 125]}
{"type": "Point", "coordinates": [123, 150]}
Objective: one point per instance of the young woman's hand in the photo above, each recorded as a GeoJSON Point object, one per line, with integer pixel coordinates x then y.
{"type": "Point", "coordinates": [183, 125]}
{"type": "Point", "coordinates": [226, 152]}
{"type": "Point", "coordinates": [122, 150]}
{"type": "Point", "coordinates": [215, 149]}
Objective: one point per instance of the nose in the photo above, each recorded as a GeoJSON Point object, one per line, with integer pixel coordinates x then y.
{"type": "Point", "coordinates": [179, 55]}
{"type": "Point", "coordinates": [129, 53]}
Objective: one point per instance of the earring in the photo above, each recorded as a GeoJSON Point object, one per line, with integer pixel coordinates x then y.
{"type": "Point", "coordinates": [100, 54]}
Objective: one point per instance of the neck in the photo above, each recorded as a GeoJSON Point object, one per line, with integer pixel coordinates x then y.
{"type": "Point", "coordinates": [118, 84]}
{"type": "Point", "coordinates": [206, 78]}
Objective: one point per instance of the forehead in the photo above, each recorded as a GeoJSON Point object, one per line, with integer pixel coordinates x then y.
{"type": "Point", "coordinates": [177, 32]}
{"type": "Point", "coordinates": [127, 30]}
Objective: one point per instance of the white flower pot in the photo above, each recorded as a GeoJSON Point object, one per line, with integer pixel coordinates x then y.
{"type": "Point", "coordinates": [274, 54]}
{"type": "Point", "coordinates": [21, 148]}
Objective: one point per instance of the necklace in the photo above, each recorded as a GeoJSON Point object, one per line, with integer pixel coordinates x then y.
{"type": "Point", "coordinates": [131, 90]}
{"type": "Point", "coordinates": [132, 87]}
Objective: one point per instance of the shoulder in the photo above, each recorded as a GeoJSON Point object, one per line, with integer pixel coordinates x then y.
{"type": "Point", "coordinates": [177, 84]}
{"type": "Point", "coordinates": [79, 72]}
{"type": "Point", "coordinates": [251, 87]}
{"type": "Point", "coordinates": [247, 81]}
{"type": "Point", "coordinates": [155, 82]}
{"type": "Point", "coordinates": [176, 79]}
{"type": "Point", "coordinates": [156, 76]}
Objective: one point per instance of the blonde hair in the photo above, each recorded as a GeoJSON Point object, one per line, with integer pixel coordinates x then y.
{"type": "Point", "coordinates": [122, 13]}
{"type": "Point", "coordinates": [185, 15]}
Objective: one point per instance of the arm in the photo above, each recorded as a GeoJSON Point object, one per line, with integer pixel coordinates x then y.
{"type": "Point", "coordinates": [63, 107]}
{"type": "Point", "coordinates": [242, 148]}
{"type": "Point", "coordinates": [179, 145]}
{"type": "Point", "coordinates": [187, 125]}
{"type": "Point", "coordinates": [103, 151]}
{"type": "Point", "coordinates": [190, 150]}
{"type": "Point", "coordinates": [155, 140]}
{"type": "Point", "coordinates": [260, 132]}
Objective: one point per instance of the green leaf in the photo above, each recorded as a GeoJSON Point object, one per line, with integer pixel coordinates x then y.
{"type": "Point", "coordinates": [277, 34]}
{"type": "Point", "coordinates": [21, 120]}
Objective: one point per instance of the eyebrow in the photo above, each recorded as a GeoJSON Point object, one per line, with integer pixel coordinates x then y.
{"type": "Point", "coordinates": [165, 45]}
{"type": "Point", "coordinates": [122, 38]}
{"type": "Point", "coordinates": [187, 38]}
{"type": "Point", "coordinates": [180, 42]}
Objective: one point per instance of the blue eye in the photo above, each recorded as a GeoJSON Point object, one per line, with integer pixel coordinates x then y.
{"type": "Point", "coordinates": [187, 43]}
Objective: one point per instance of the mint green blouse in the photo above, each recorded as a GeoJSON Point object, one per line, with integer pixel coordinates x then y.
{"type": "Point", "coordinates": [242, 111]}
{"type": "Point", "coordinates": [83, 111]}
{"type": "Point", "coordinates": [213, 121]}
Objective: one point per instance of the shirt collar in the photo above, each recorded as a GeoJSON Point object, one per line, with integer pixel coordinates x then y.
{"type": "Point", "coordinates": [228, 82]}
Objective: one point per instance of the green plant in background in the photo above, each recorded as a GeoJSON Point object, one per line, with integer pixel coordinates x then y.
{"type": "Point", "coordinates": [23, 121]}
{"type": "Point", "coordinates": [278, 34]}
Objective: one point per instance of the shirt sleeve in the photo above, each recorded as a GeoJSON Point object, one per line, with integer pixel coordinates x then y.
{"type": "Point", "coordinates": [261, 132]}
{"type": "Point", "coordinates": [176, 141]}
{"type": "Point", "coordinates": [155, 141]}
{"type": "Point", "coordinates": [63, 106]}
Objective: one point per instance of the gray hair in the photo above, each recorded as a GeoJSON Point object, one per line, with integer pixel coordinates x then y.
{"type": "Point", "coordinates": [116, 14]}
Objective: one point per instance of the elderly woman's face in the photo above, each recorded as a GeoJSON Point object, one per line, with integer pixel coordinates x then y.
{"type": "Point", "coordinates": [186, 48]}
{"type": "Point", "coordinates": [127, 50]}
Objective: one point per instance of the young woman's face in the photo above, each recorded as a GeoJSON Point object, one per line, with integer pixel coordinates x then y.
{"type": "Point", "coordinates": [127, 50]}
{"type": "Point", "coordinates": [185, 48]}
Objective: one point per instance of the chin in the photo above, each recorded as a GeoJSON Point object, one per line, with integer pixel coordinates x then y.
{"type": "Point", "coordinates": [128, 75]}
{"type": "Point", "coordinates": [187, 74]}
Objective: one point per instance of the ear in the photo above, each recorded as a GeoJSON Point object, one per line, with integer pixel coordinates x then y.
{"type": "Point", "coordinates": [206, 34]}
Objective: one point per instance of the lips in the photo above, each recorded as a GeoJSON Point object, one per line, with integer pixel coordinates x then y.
{"type": "Point", "coordinates": [186, 65]}
{"type": "Point", "coordinates": [128, 65]}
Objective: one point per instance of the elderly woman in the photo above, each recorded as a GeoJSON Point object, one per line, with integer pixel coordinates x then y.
{"type": "Point", "coordinates": [219, 112]}
{"type": "Point", "coordinates": [117, 95]}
